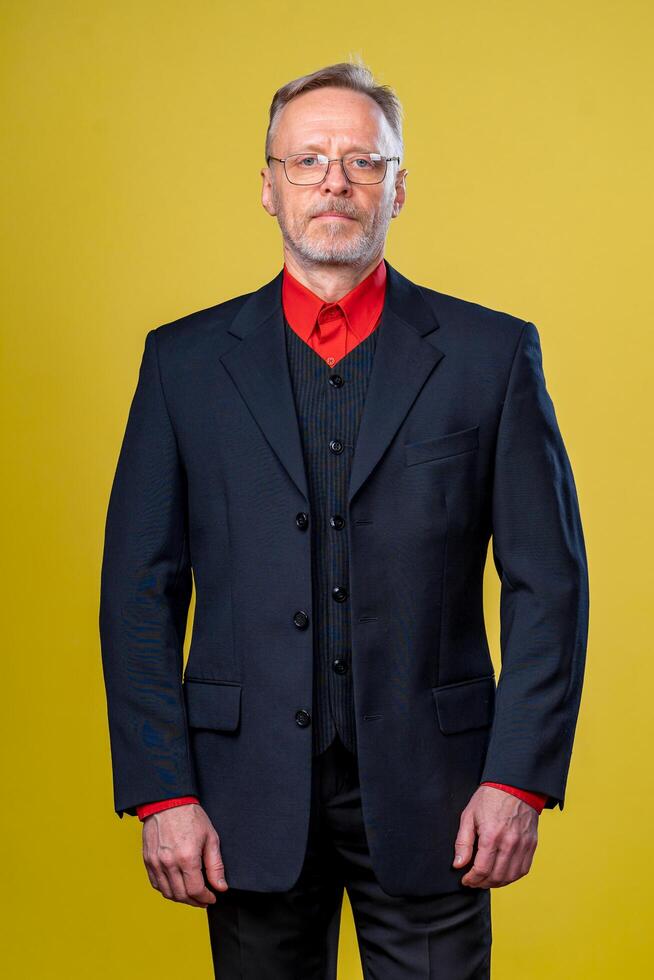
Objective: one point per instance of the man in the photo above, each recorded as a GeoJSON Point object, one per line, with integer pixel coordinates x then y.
{"type": "Point", "coordinates": [327, 457]}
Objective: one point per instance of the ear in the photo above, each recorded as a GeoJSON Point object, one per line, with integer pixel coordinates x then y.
{"type": "Point", "coordinates": [266, 191]}
{"type": "Point", "coordinates": [400, 192]}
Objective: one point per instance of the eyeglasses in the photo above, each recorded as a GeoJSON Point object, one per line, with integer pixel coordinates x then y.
{"type": "Point", "coordinates": [312, 168]}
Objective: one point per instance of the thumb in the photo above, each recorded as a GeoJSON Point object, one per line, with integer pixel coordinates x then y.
{"type": "Point", "coordinates": [213, 862]}
{"type": "Point", "coordinates": [465, 840]}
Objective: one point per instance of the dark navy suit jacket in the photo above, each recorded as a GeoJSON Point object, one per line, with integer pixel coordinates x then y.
{"type": "Point", "coordinates": [458, 441]}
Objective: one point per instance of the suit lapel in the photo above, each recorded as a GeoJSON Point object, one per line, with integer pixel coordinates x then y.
{"type": "Point", "coordinates": [258, 366]}
{"type": "Point", "coordinates": [403, 361]}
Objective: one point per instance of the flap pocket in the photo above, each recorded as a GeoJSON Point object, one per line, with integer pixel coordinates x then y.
{"type": "Point", "coordinates": [467, 704]}
{"type": "Point", "coordinates": [212, 704]}
{"type": "Point", "coordinates": [449, 444]}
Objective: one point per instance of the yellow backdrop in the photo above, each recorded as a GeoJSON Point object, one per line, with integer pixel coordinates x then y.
{"type": "Point", "coordinates": [133, 137]}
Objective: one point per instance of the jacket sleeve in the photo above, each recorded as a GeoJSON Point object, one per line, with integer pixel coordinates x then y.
{"type": "Point", "coordinates": [145, 591]}
{"type": "Point", "coordinates": [540, 557]}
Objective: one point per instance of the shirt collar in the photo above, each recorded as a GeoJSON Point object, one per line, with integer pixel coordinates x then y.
{"type": "Point", "coordinates": [361, 306]}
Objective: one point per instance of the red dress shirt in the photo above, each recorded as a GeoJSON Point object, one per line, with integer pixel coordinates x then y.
{"type": "Point", "coordinates": [332, 330]}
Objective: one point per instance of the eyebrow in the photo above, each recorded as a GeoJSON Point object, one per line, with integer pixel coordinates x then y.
{"type": "Point", "coordinates": [353, 149]}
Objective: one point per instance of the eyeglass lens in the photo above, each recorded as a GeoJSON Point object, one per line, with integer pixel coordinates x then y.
{"type": "Point", "coordinates": [310, 168]}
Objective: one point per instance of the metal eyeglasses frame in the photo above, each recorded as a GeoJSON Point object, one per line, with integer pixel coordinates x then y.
{"type": "Point", "coordinates": [314, 183]}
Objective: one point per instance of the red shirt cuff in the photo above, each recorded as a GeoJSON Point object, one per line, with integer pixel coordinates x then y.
{"type": "Point", "coordinates": [147, 808]}
{"type": "Point", "coordinates": [537, 800]}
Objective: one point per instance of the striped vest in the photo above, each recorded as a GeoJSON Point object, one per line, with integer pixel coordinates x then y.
{"type": "Point", "coordinates": [329, 402]}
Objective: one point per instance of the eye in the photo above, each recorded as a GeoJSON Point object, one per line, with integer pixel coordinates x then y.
{"type": "Point", "coordinates": [304, 160]}
{"type": "Point", "coordinates": [364, 160]}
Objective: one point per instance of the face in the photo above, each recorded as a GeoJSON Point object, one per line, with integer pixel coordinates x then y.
{"type": "Point", "coordinates": [333, 121]}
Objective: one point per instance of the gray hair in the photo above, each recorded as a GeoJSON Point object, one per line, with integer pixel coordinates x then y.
{"type": "Point", "coordinates": [345, 74]}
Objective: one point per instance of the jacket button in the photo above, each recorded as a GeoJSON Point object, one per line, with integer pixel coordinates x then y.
{"type": "Point", "coordinates": [337, 521]}
{"type": "Point", "coordinates": [335, 380]}
{"type": "Point", "coordinates": [301, 619]}
{"type": "Point", "coordinates": [339, 666]}
{"type": "Point", "coordinates": [302, 520]}
{"type": "Point", "coordinates": [339, 594]}
{"type": "Point", "coordinates": [335, 446]}
{"type": "Point", "coordinates": [303, 718]}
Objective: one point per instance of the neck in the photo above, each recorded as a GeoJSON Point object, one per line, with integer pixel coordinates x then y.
{"type": "Point", "coordinates": [330, 282]}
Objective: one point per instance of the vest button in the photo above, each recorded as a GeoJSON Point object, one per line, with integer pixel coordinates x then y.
{"type": "Point", "coordinates": [335, 380]}
{"type": "Point", "coordinates": [337, 521]}
{"type": "Point", "coordinates": [339, 594]}
{"type": "Point", "coordinates": [339, 666]}
{"type": "Point", "coordinates": [336, 446]}
{"type": "Point", "coordinates": [301, 619]}
{"type": "Point", "coordinates": [302, 520]}
{"type": "Point", "coordinates": [303, 718]}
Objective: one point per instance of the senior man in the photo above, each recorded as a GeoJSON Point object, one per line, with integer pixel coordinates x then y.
{"type": "Point", "coordinates": [327, 457]}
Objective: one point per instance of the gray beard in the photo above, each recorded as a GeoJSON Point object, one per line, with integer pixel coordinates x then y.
{"type": "Point", "coordinates": [336, 248]}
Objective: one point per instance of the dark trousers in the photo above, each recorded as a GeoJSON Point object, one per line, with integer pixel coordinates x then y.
{"type": "Point", "coordinates": [294, 935]}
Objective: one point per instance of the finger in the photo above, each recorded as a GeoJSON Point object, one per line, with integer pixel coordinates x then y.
{"type": "Point", "coordinates": [163, 884]}
{"type": "Point", "coordinates": [213, 863]}
{"type": "Point", "coordinates": [507, 856]}
{"type": "Point", "coordinates": [483, 866]}
{"type": "Point", "coordinates": [178, 885]}
{"type": "Point", "coordinates": [145, 853]}
{"type": "Point", "coordinates": [465, 840]}
{"type": "Point", "coordinates": [520, 860]}
{"type": "Point", "coordinates": [153, 866]}
{"type": "Point", "coordinates": [528, 857]}
{"type": "Point", "coordinates": [153, 878]}
{"type": "Point", "coordinates": [195, 884]}
{"type": "Point", "coordinates": [172, 877]}
{"type": "Point", "coordinates": [514, 869]}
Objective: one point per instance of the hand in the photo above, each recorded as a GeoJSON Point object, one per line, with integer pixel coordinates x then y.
{"type": "Point", "coordinates": [508, 835]}
{"type": "Point", "coordinates": [176, 842]}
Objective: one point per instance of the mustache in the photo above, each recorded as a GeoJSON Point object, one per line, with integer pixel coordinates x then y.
{"type": "Point", "coordinates": [337, 209]}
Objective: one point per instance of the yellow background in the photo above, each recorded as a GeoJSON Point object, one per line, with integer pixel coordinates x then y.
{"type": "Point", "coordinates": [133, 137]}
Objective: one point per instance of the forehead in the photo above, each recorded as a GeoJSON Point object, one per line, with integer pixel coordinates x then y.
{"type": "Point", "coordinates": [332, 117]}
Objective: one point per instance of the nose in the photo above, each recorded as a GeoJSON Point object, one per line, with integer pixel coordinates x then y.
{"type": "Point", "coordinates": [335, 181]}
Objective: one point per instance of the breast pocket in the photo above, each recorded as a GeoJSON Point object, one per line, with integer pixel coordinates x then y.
{"type": "Point", "coordinates": [440, 447]}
